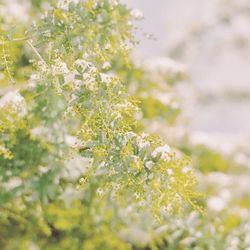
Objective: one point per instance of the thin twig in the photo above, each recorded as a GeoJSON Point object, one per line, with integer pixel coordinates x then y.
{"type": "Point", "coordinates": [6, 62]}
{"type": "Point", "coordinates": [20, 39]}
{"type": "Point", "coordinates": [36, 52]}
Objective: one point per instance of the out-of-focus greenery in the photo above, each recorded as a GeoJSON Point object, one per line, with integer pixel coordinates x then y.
{"type": "Point", "coordinates": [206, 159]}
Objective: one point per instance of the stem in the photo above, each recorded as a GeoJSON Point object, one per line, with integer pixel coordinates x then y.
{"type": "Point", "coordinates": [20, 39]}
{"type": "Point", "coordinates": [6, 62]}
{"type": "Point", "coordinates": [36, 52]}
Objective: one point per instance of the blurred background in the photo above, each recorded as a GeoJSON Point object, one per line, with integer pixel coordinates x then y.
{"type": "Point", "coordinates": [212, 39]}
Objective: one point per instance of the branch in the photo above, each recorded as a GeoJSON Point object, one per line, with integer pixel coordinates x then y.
{"type": "Point", "coordinates": [36, 52]}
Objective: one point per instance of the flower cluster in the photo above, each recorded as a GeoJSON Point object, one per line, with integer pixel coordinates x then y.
{"type": "Point", "coordinates": [75, 162]}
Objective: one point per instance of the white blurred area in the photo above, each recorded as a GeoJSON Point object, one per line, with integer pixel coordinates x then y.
{"type": "Point", "coordinates": [213, 39]}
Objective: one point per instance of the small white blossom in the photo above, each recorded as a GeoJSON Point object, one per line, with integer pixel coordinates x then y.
{"type": "Point", "coordinates": [106, 65]}
{"type": "Point", "coordinates": [59, 68]}
{"type": "Point", "coordinates": [137, 14]}
{"type": "Point", "coordinates": [70, 77]}
{"type": "Point", "coordinates": [186, 169]}
{"type": "Point", "coordinates": [142, 143]}
{"type": "Point", "coordinates": [142, 203]}
{"type": "Point", "coordinates": [216, 203]}
{"type": "Point", "coordinates": [129, 135]}
{"type": "Point", "coordinates": [64, 4]}
{"type": "Point", "coordinates": [172, 179]}
{"type": "Point", "coordinates": [164, 151]}
{"type": "Point", "coordinates": [42, 66]}
{"type": "Point", "coordinates": [106, 78]}
{"type": "Point", "coordinates": [116, 186]}
{"type": "Point", "coordinates": [13, 183]}
{"type": "Point", "coordinates": [113, 123]}
{"type": "Point", "coordinates": [71, 140]}
{"type": "Point", "coordinates": [75, 167]}
{"type": "Point", "coordinates": [41, 131]}
{"type": "Point", "coordinates": [43, 169]}
{"type": "Point", "coordinates": [17, 10]}
{"type": "Point", "coordinates": [69, 195]}
{"type": "Point", "coordinates": [114, 2]}
{"type": "Point", "coordinates": [15, 101]}
{"type": "Point", "coordinates": [149, 164]}
{"type": "Point", "coordinates": [144, 135]}
{"type": "Point", "coordinates": [35, 77]}
{"type": "Point", "coordinates": [82, 63]}
{"type": "Point", "coordinates": [136, 195]}
{"type": "Point", "coordinates": [100, 191]}
{"type": "Point", "coordinates": [135, 236]}
{"type": "Point", "coordinates": [169, 171]}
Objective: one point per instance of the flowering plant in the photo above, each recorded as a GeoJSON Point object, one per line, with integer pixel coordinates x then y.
{"type": "Point", "coordinates": [77, 170]}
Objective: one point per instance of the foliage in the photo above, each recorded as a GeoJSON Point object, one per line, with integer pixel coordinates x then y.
{"type": "Point", "coordinates": [77, 172]}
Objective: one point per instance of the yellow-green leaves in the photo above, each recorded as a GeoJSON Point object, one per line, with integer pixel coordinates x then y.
{"type": "Point", "coordinates": [73, 141]}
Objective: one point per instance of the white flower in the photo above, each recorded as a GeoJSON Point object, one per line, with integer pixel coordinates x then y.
{"type": "Point", "coordinates": [35, 77]}
{"type": "Point", "coordinates": [17, 10]}
{"type": "Point", "coordinates": [100, 191]}
{"type": "Point", "coordinates": [13, 183]}
{"type": "Point", "coordinates": [116, 119]}
{"type": "Point", "coordinates": [106, 78]}
{"type": "Point", "coordinates": [70, 77]}
{"type": "Point", "coordinates": [6, 154]}
{"type": "Point", "coordinates": [116, 186]}
{"type": "Point", "coordinates": [59, 68]}
{"type": "Point", "coordinates": [81, 62]}
{"type": "Point", "coordinates": [43, 169]}
{"type": "Point", "coordinates": [136, 236]}
{"type": "Point", "coordinates": [124, 106]}
{"type": "Point", "coordinates": [64, 4]}
{"type": "Point", "coordinates": [165, 151]}
{"type": "Point", "coordinates": [186, 169]}
{"type": "Point", "coordinates": [85, 65]}
{"type": "Point", "coordinates": [216, 203]}
{"type": "Point", "coordinates": [142, 203]}
{"type": "Point", "coordinates": [129, 135]}
{"type": "Point", "coordinates": [69, 195]}
{"type": "Point", "coordinates": [171, 179]}
{"type": "Point", "coordinates": [42, 66]}
{"type": "Point", "coordinates": [144, 144]}
{"type": "Point", "coordinates": [40, 131]}
{"type": "Point", "coordinates": [144, 135]}
{"type": "Point", "coordinates": [72, 141]}
{"type": "Point", "coordinates": [15, 101]}
{"type": "Point", "coordinates": [137, 14]}
{"type": "Point", "coordinates": [106, 65]}
{"type": "Point", "coordinates": [169, 171]}
{"type": "Point", "coordinates": [225, 194]}
{"type": "Point", "coordinates": [75, 167]}
{"type": "Point", "coordinates": [136, 195]}
{"type": "Point", "coordinates": [149, 164]}
{"type": "Point", "coordinates": [113, 2]}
